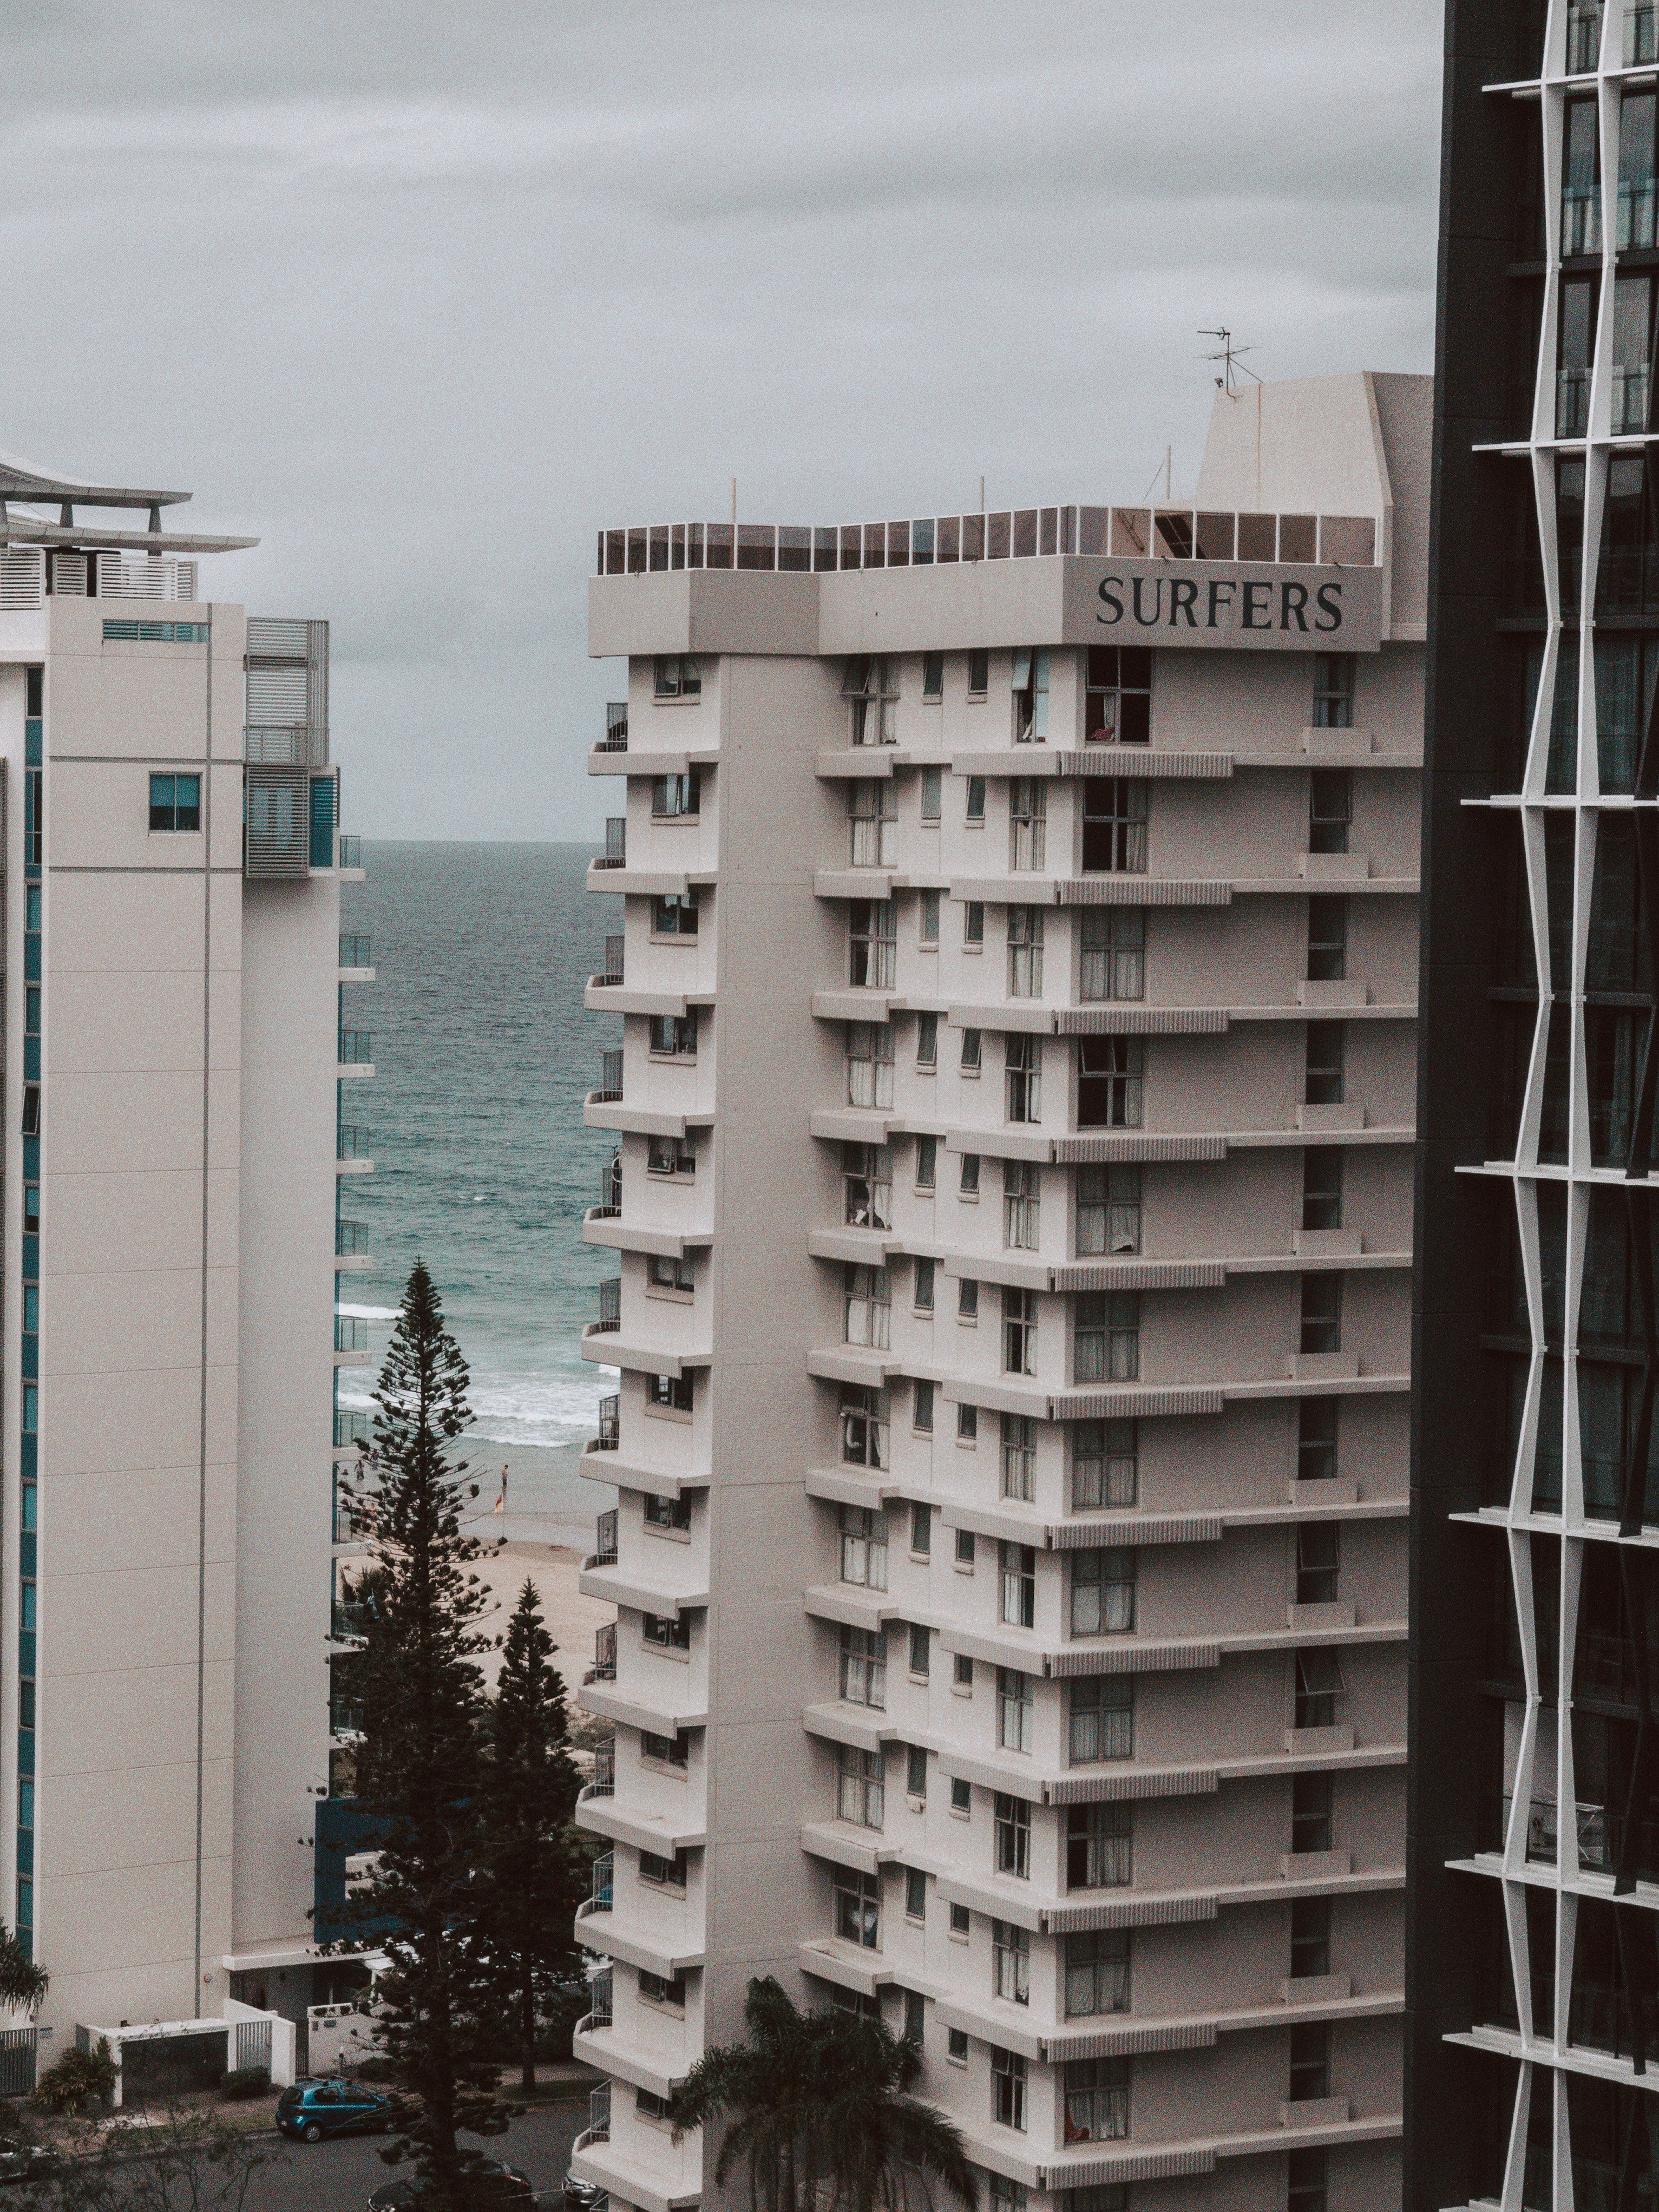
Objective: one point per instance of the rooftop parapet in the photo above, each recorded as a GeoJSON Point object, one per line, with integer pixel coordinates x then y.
{"type": "Point", "coordinates": [1134, 533]}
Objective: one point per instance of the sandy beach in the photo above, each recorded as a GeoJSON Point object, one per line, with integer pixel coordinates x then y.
{"type": "Point", "coordinates": [571, 1617]}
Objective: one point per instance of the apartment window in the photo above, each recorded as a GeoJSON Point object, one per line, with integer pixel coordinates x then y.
{"type": "Point", "coordinates": [1097, 1972]}
{"type": "Point", "coordinates": [1322, 1187]}
{"type": "Point", "coordinates": [1008, 2089]}
{"type": "Point", "coordinates": [922, 1295]}
{"type": "Point", "coordinates": [864, 1668]}
{"type": "Point", "coordinates": [1101, 1719]}
{"type": "Point", "coordinates": [1112, 954]}
{"type": "Point", "coordinates": [1318, 1562]}
{"type": "Point", "coordinates": [863, 1548]}
{"type": "Point", "coordinates": [1328, 937]}
{"type": "Point", "coordinates": [1308, 2182]}
{"type": "Point", "coordinates": [956, 2045]}
{"type": "Point", "coordinates": [1012, 1835]}
{"type": "Point", "coordinates": [915, 1888]}
{"type": "Point", "coordinates": [927, 920]}
{"type": "Point", "coordinates": [867, 1307]}
{"type": "Point", "coordinates": [1310, 1937]}
{"type": "Point", "coordinates": [864, 1426]}
{"type": "Point", "coordinates": [921, 1663]}
{"type": "Point", "coordinates": [662, 1988]}
{"type": "Point", "coordinates": [1028, 822]}
{"type": "Point", "coordinates": [962, 1801]}
{"type": "Point", "coordinates": [973, 798]}
{"type": "Point", "coordinates": [667, 1750]}
{"type": "Point", "coordinates": [872, 812]}
{"type": "Point", "coordinates": [1118, 699]}
{"type": "Point", "coordinates": [921, 1530]}
{"type": "Point", "coordinates": [1023, 1068]}
{"type": "Point", "coordinates": [858, 1908]}
{"type": "Point", "coordinates": [672, 1392]}
{"type": "Point", "coordinates": [1316, 1442]}
{"type": "Point", "coordinates": [667, 1512]}
{"type": "Point", "coordinates": [1107, 1209]}
{"type": "Point", "coordinates": [967, 1298]}
{"type": "Point", "coordinates": [1105, 1464]}
{"type": "Point", "coordinates": [675, 798]}
{"type": "Point", "coordinates": [867, 1186]}
{"type": "Point", "coordinates": [1025, 952]}
{"type": "Point", "coordinates": [1324, 1083]}
{"type": "Point", "coordinates": [1102, 1592]}
{"type": "Point", "coordinates": [674, 1036]}
{"type": "Point", "coordinates": [674, 916]}
{"type": "Point", "coordinates": [1016, 1710]}
{"type": "Point", "coordinates": [861, 1787]}
{"type": "Point", "coordinates": [669, 1155]}
{"type": "Point", "coordinates": [932, 793]}
{"type": "Point", "coordinates": [1322, 1313]}
{"type": "Point", "coordinates": [677, 676]}
{"type": "Point", "coordinates": [1333, 690]}
{"type": "Point", "coordinates": [927, 1163]}
{"type": "Point", "coordinates": [664, 1274]}
{"type": "Point", "coordinates": [1010, 1963]}
{"type": "Point", "coordinates": [1310, 2062]}
{"type": "Point", "coordinates": [979, 674]}
{"type": "Point", "coordinates": [667, 1872]}
{"type": "Point", "coordinates": [967, 1431]}
{"type": "Point", "coordinates": [1017, 1565]}
{"type": "Point", "coordinates": [1031, 689]}
{"type": "Point", "coordinates": [965, 1549]}
{"type": "Point", "coordinates": [1114, 825]}
{"type": "Point", "coordinates": [921, 1417]}
{"type": "Point", "coordinates": [1319, 1689]}
{"type": "Point", "coordinates": [1110, 1082]}
{"type": "Point", "coordinates": [1097, 1847]}
{"type": "Point", "coordinates": [872, 943]}
{"type": "Point", "coordinates": [927, 1041]}
{"type": "Point", "coordinates": [971, 1051]}
{"type": "Point", "coordinates": [1311, 1813]}
{"type": "Point", "coordinates": [870, 1064]}
{"type": "Point", "coordinates": [1008, 2196]}
{"type": "Point", "coordinates": [1330, 810]}
{"type": "Point", "coordinates": [933, 675]}
{"type": "Point", "coordinates": [1097, 2101]}
{"type": "Point", "coordinates": [1019, 1331]}
{"type": "Point", "coordinates": [175, 802]}
{"type": "Point", "coordinates": [1019, 1456]}
{"type": "Point", "coordinates": [1106, 1337]}
{"type": "Point", "coordinates": [666, 1631]}
{"type": "Point", "coordinates": [968, 1179]}
{"type": "Point", "coordinates": [872, 683]}
{"type": "Point", "coordinates": [973, 925]}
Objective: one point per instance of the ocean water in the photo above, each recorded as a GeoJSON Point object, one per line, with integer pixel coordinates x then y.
{"type": "Point", "coordinates": [482, 1056]}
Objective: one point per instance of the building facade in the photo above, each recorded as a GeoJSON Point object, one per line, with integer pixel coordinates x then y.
{"type": "Point", "coordinates": [1012, 1205]}
{"type": "Point", "coordinates": [172, 959]}
{"type": "Point", "coordinates": [1534, 1884]}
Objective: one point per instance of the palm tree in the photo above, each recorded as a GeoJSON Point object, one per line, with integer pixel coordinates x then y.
{"type": "Point", "coordinates": [820, 2102]}
{"type": "Point", "coordinates": [22, 1984]}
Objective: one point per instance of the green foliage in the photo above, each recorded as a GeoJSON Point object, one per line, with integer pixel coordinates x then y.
{"type": "Point", "coordinates": [78, 2081]}
{"type": "Point", "coordinates": [175, 2158]}
{"type": "Point", "coordinates": [531, 1874]}
{"type": "Point", "coordinates": [421, 1762]}
{"type": "Point", "coordinates": [818, 2111]}
{"type": "Point", "coordinates": [242, 2082]}
{"type": "Point", "coordinates": [22, 1984]}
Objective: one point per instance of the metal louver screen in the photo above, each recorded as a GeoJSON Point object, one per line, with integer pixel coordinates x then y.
{"type": "Point", "coordinates": [278, 831]}
{"type": "Point", "coordinates": [275, 696]}
{"type": "Point", "coordinates": [287, 713]}
{"type": "Point", "coordinates": [23, 575]}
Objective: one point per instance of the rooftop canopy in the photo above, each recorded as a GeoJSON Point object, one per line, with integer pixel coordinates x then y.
{"type": "Point", "coordinates": [21, 480]}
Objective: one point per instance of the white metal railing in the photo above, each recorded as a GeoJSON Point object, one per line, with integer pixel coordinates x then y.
{"type": "Point", "coordinates": [156, 577]}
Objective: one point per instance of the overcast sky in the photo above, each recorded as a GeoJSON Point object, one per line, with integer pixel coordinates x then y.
{"type": "Point", "coordinates": [424, 294]}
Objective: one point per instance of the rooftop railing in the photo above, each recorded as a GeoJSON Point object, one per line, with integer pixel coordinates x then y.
{"type": "Point", "coordinates": [1129, 533]}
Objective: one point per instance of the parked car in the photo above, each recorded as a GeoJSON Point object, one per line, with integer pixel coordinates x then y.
{"type": "Point", "coordinates": [311, 2110]}
{"type": "Point", "coordinates": [582, 2195]}
{"type": "Point", "coordinates": [26, 2162]}
{"type": "Point", "coordinates": [496, 2188]}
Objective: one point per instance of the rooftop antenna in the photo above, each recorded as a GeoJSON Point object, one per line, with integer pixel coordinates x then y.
{"type": "Point", "coordinates": [1232, 366]}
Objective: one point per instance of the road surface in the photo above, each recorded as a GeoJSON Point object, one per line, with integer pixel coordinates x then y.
{"type": "Point", "coordinates": [338, 2176]}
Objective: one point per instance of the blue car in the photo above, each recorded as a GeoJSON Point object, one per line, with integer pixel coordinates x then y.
{"type": "Point", "coordinates": [311, 2110]}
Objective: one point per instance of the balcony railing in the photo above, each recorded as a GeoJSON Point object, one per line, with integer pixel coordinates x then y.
{"type": "Point", "coordinates": [349, 1428]}
{"type": "Point", "coordinates": [599, 2015]}
{"type": "Point", "coordinates": [603, 1668]}
{"type": "Point", "coordinates": [347, 1622]}
{"type": "Point", "coordinates": [345, 1716]}
{"type": "Point", "coordinates": [603, 1784]}
{"type": "Point", "coordinates": [350, 1239]}
{"type": "Point", "coordinates": [610, 1435]}
{"type": "Point", "coordinates": [605, 1539]}
{"type": "Point", "coordinates": [615, 739]}
{"type": "Point", "coordinates": [351, 852]}
{"type": "Point", "coordinates": [350, 1142]}
{"type": "Point", "coordinates": [599, 2114]}
{"type": "Point", "coordinates": [604, 1869]}
{"type": "Point", "coordinates": [350, 1333]}
{"type": "Point", "coordinates": [356, 951]}
{"type": "Point", "coordinates": [610, 1313]}
{"type": "Point", "coordinates": [615, 843]}
{"type": "Point", "coordinates": [610, 1203]}
{"type": "Point", "coordinates": [356, 1048]}
{"type": "Point", "coordinates": [611, 1078]}
{"type": "Point", "coordinates": [611, 976]}
{"type": "Point", "coordinates": [345, 1521]}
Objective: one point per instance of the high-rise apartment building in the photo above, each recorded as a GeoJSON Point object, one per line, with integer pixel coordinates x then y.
{"type": "Point", "coordinates": [1013, 1204]}
{"type": "Point", "coordinates": [1532, 2036]}
{"type": "Point", "coordinates": [171, 954]}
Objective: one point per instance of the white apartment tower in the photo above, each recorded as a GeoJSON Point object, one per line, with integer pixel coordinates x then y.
{"type": "Point", "coordinates": [171, 954]}
{"type": "Point", "coordinates": [1013, 1206]}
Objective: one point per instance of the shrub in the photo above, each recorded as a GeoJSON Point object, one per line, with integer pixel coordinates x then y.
{"type": "Point", "coordinates": [244, 2081]}
{"type": "Point", "coordinates": [79, 2081]}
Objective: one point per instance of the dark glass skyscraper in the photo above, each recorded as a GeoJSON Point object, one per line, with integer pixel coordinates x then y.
{"type": "Point", "coordinates": [1533, 1977]}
